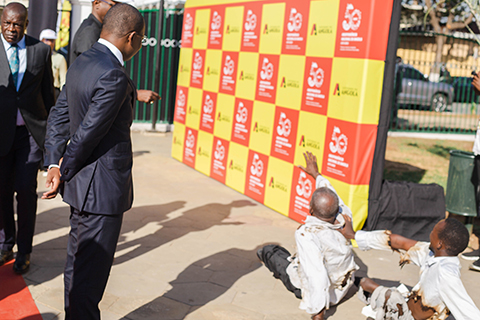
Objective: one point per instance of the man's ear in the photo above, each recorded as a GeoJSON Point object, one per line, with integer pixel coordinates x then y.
{"type": "Point", "coordinates": [26, 24]}
{"type": "Point", "coordinates": [440, 245]}
{"type": "Point", "coordinates": [130, 37]}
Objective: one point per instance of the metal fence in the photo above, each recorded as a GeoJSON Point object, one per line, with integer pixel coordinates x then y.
{"type": "Point", "coordinates": [155, 66]}
{"type": "Point", "coordinates": [435, 96]}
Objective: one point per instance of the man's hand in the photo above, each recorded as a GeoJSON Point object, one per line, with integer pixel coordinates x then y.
{"type": "Point", "coordinates": [53, 182]}
{"type": "Point", "coordinates": [347, 229]}
{"type": "Point", "coordinates": [476, 83]}
{"type": "Point", "coordinates": [311, 168]}
{"type": "Point", "coordinates": [147, 96]}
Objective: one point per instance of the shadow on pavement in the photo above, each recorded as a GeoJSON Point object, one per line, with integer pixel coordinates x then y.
{"type": "Point", "coordinates": [203, 281]}
{"type": "Point", "coordinates": [197, 219]}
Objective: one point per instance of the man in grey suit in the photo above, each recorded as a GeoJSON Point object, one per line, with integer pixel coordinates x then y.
{"type": "Point", "coordinates": [93, 114]}
{"type": "Point", "coordinates": [26, 92]}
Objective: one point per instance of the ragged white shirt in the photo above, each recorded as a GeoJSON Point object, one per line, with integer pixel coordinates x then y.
{"type": "Point", "coordinates": [440, 286]}
{"type": "Point", "coordinates": [324, 265]}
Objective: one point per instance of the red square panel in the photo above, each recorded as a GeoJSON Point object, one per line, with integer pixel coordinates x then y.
{"type": "Point", "coordinates": [284, 134]}
{"type": "Point", "coordinates": [256, 175]}
{"type": "Point", "coordinates": [316, 85]}
{"type": "Point", "coordinates": [207, 117]}
{"type": "Point", "coordinates": [242, 121]}
{"type": "Point", "coordinates": [190, 144]}
{"type": "Point", "coordinates": [267, 78]}
{"type": "Point", "coordinates": [295, 27]}
{"type": "Point", "coordinates": [252, 17]}
{"type": "Point", "coordinates": [349, 149]}
{"type": "Point", "coordinates": [180, 104]}
{"type": "Point", "coordinates": [215, 36]}
{"type": "Point", "coordinates": [218, 169]}
{"type": "Point", "coordinates": [188, 23]}
{"type": "Point", "coordinates": [303, 186]}
{"type": "Point", "coordinates": [229, 72]}
{"type": "Point", "coordinates": [198, 66]}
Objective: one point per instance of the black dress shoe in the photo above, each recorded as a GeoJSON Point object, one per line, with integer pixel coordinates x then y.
{"type": "Point", "coordinates": [22, 263]}
{"type": "Point", "coordinates": [5, 256]}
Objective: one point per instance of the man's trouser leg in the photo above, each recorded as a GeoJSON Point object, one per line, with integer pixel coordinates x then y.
{"type": "Point", "coordinates": [18, 172]}
{"type": "Point", "coordinates": [275, 259]}
{"type": "Point", "coordinates": [91, 247]}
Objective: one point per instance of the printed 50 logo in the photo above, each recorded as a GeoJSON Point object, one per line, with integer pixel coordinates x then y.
{"type": "Point", "coordinates": [267, 78]}
{"type": "Point", "coordinates": [180, 106]}
{"type": "Point", "coordinates": [256, 176]}
{"type": "Point", "coordinates": [317, 79]}
{"type": "Point", "coordinates": [295, 21]}
{"type": "Point", "coordinates": [208, 111]}
{"type": "Point", "coordinates": [229, 73]}
{"type": "Point", "coordinates": [300, 198]}
{"type": "Point", "coordinates": [353, 18]}
{"type": "Point", "coordinates": [190, 146]}
{"type": "Point", "coordinates": [304, 186]}
{"type": "Point", "coordinates": [219, 160]}
{"type": "Point", "coordinates": [197, 68]}
{"type": "Point", "coordinates": [216, 28]}
{"type": "Point", "coordinates": [285, 134]}
{"type": "Point", "coordinates": [250, 21]}
{"type": "Point", "coordinates": [294, 37]}
{"type": "Point", "coordinates": [251, 27]}
{"type": "Point", "coordinates": [187, 36]}
{"type": "Point", "coordinates": [242, 121]}
{"type": "Point", "coordinates": [339, 142]}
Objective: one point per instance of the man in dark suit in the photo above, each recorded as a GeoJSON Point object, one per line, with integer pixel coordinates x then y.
{"type": "Point", "coordinates": [94, 113]}
{"type": "Point", "coordinates": [26, 93]}
{"type": "Point", "coordinates": [89, 32]}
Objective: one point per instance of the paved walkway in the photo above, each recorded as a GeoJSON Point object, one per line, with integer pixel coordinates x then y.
{"type": "Point", "coordinates": [187, 251]}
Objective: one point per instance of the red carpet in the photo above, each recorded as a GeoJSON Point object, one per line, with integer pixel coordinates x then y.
{"type": "Point", "coordinates": [16, 302]}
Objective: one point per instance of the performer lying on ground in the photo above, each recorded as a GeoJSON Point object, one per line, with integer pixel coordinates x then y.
{"type": "Point", "coordinates": [322, 270]}
{"type": "Point", "coordinates": [439, 291]}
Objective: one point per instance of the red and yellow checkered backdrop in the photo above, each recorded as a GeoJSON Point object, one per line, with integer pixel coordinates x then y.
{"type": "Point", "coordinates": [261, 82]}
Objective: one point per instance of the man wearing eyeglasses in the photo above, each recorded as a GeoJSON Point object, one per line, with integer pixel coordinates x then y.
{"type": "Point", "coordinates": [89, 156]}
{"type": "Point", "coordinates": [322, 270]}
{"type": "Point", "coordinates": [89, 32]}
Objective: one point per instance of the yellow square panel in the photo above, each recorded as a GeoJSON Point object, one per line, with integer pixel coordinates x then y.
{"type": "Point", "coordinates": [272, 28]}
{"type": "Point", "coordinates": [278, 185]}
{"type": "Point", "coordinates": [247, 75]}
{"type": "Point", "coordinates": [310, 137]}
{"type": "Point", "coordinates": [224, 116]}
{"type": "Point", "coordinates": [356, 198]}
{"type": "Point", "coordinates": [194, 105]}
{"type": "Point", "coordinates": [237, 166]}
{"type": "Point", "coordinates": [177, 141]}
{"type": "Point", "coordinates": [322, 28]}
{"type": "Point", "coordinates": [232, 34]}
{"type": "Point", "coordinates": [200, 35]}
{"type": "Point", "coordinates": [184, 66]}
{"type": "Point", "coordinates": [290, 81]}
{"type": "Point", "coordinates": [356, 90]}
{"type": "Point", "coordinates": [213, 61]}
{"type": "Point", "coordinates": [262, 127]}
{"type": "Point", "coordinates": [204, 152]}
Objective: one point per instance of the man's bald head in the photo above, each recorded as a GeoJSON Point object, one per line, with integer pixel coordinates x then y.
{"type": "Point", "coordinates": [324, 204]}
{"type": "Point", "coordinates": [14, 22]}
{"type": "Point", "coordinates": [122, 19]}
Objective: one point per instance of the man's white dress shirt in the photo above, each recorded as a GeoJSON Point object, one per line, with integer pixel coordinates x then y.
{"type": "Point", "coordinates": [440, 286]}
{"type": "Point", "coordinates": [324, 265]}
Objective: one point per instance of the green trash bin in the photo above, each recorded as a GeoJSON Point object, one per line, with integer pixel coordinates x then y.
{"type": "Point", "coordinates": [460, 198]}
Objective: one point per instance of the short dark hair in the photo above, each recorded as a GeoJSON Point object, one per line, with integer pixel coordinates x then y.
{"type": "Point", "coordinates": [122, 19]}
{"type": "Point", "coordinates": [320, 205]}
{"type": "Point", "coordinates": [454, 235]}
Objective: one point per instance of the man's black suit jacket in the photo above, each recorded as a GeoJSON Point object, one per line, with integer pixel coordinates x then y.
{"type": "Point", "coordinates": [94, 111]}
{"type": "Point", "coordinates": [34, 98]}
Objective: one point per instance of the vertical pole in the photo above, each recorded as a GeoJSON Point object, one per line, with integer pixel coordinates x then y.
{"type": "Point", "coordinates": [158, 62]}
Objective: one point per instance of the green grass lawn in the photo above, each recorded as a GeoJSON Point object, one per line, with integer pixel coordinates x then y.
{"type": "Point", "coordinates": [420, 160]}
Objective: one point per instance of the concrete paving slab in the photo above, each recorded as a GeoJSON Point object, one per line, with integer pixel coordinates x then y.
{"type": "Point", "coordinates": [187, 251]}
